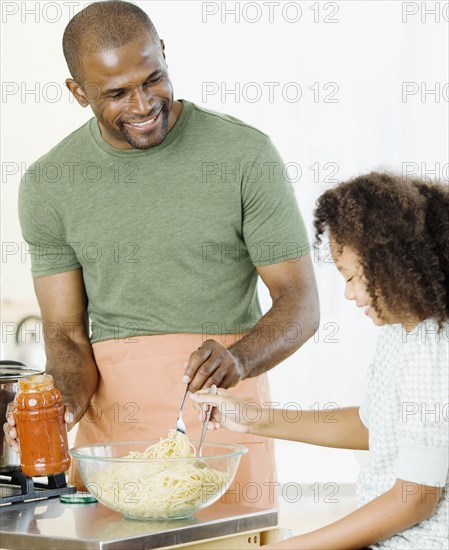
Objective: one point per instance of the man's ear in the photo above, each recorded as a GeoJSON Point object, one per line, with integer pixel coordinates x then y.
{"type": "Point", "coordinates": [163, 48]}
{"type": "Point", "coordinates": [77, 92]}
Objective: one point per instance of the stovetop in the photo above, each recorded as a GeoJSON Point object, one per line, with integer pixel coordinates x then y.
{"type": "Point", "coordinates": [15, 487]}
{"type": "Point", "coordinates": [52, 525]}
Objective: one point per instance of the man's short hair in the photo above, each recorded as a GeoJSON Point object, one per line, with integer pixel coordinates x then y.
{"type": "Point", "coordinates": [102, 26]}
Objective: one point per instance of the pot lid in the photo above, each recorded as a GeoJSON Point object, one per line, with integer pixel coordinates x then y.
{"type": "Point", "coordinates": [13, 370]}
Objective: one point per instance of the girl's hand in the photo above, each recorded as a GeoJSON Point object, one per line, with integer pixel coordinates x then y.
{"type": "Point", "coordinates": [228, 411]}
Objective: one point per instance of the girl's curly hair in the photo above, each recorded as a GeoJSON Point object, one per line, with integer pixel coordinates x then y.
{"type": "Point", "coordinates": [400, 232]}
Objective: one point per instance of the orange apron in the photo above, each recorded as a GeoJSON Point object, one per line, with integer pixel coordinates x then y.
{"type": "Point", "coordinates": [138, 397]}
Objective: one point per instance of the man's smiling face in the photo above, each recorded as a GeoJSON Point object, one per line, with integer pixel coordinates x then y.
{"type": "Point", "coordinates": [130, 93]}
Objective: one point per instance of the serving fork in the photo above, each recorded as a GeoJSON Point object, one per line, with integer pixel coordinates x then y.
{"type": "Point", "coordinates": [200, 463]}
{"type": "Point", "coordinates": [180, 426]}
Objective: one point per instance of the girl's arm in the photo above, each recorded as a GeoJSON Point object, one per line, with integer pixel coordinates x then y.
{"type": "Point", "coordinates": [403, 506]}
{"type": "Point", "coordinates": [340, 428]}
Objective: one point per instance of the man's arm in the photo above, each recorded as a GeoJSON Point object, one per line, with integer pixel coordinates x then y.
{"type": "Point", "coordinates": [291, 321]}
{"type": "Point", "coordinates": [63, 303]}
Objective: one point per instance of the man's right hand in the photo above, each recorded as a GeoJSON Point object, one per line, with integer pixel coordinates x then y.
{"type": "Point", "coordinates": [63, 303]}
{"type": "Point", "coordinates": [9, 428]}
{"type": "Point", "coordinates": [10, 431]}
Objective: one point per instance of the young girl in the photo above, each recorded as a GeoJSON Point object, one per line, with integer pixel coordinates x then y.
{"type": "Point", "coordinates": [390, 242]}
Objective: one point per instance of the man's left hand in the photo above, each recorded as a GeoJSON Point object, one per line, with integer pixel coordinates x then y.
{"type": "Point", "coordinates": [211, 364]}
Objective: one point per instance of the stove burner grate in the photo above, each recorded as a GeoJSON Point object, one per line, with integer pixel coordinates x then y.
{"type": "Point", "coordinates": [17, 487]}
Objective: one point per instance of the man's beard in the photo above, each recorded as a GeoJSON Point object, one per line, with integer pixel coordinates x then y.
{"type": "Point", "coordinates": [153, 138]}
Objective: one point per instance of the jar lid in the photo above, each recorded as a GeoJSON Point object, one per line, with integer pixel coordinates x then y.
{"type": "Point", "coordinates": [78, 498]}
{"type": "Point", "coordinates": [13, 370]}
{"type": "Point", "coordinates": [36, 382]}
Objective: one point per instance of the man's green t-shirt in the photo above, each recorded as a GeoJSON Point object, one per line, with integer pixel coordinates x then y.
{"type": "Point", "coordinates": [167, 238]}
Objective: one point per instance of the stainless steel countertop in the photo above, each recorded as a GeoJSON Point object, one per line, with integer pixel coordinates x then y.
{"type": "Point", "coordinates": [51, 525]}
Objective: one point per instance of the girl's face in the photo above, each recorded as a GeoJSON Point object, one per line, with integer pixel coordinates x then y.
{"type": "Point", "coordinates": [348, 265]}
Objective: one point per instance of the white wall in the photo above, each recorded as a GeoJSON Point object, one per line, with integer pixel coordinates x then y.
{"type": "Point", "coordinates": [369, 51]}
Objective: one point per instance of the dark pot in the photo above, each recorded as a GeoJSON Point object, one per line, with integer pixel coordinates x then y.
{"type": "Point", "coordinates": [10, 373]}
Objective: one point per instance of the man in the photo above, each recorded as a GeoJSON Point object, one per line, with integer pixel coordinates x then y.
{"type": "Point", "coordinates": [154, 220]}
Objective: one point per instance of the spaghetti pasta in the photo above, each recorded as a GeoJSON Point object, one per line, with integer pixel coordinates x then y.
{"type": "Point", "coordinates": [147, 488]}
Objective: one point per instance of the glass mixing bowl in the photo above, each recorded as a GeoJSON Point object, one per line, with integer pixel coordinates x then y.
{"type": "Point", "coordinates": [156, 488]}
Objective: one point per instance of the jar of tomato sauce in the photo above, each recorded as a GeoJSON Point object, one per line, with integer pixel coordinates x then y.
{"type": "Point", "coordinates": [42, 433]}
